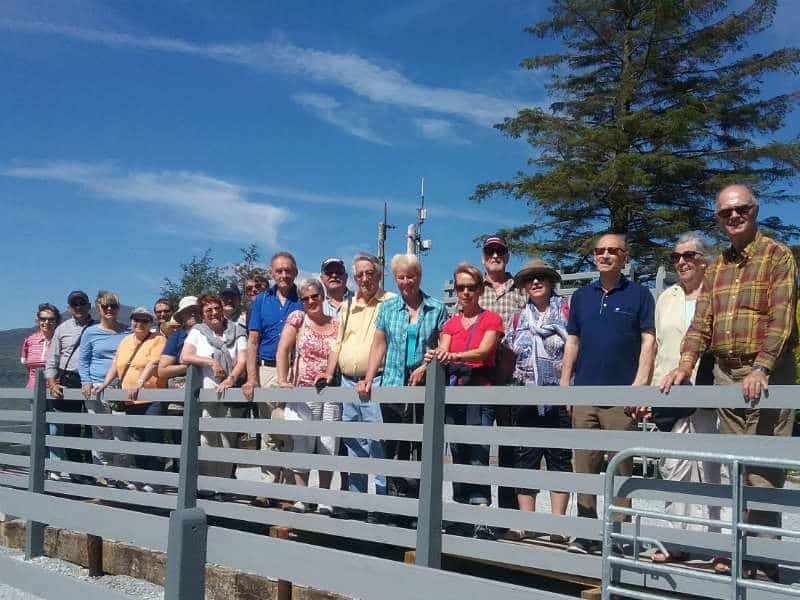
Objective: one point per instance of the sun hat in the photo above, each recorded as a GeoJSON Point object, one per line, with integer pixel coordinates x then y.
{"type": "Point", "coordinates": [185, 303]}
{"type": "Point", "coordinates": [535, 268]}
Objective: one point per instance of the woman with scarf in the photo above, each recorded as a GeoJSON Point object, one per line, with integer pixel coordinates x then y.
{"type": "Point", "coordinates": [467, 348]}
{"type": "Point", "coordinates": [219, 347]}
{"type": "Point", "coordinates": [536, 338]}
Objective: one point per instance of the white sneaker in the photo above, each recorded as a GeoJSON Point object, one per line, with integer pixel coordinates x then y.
{"type": "Point", "coordinates": [149, 489]}
{"type": "Point", "coordinates": [324, 509]}
{"type": "Point", "coordinates": [298, 507]}
{"type": "Point", "coordinates": [131, 486]}
{"type": "Point", "coordinates": [54, 476]}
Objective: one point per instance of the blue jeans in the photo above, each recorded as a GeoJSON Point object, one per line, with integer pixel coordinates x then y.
{"type": "Point", "coordinates": [363, 412]}
{"type": "Point", "coordinates": [67, 406]}
{"type": "Point", "coordinates": [141, 434]}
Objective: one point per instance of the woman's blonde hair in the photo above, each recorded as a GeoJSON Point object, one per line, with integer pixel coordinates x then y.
{"type": "Point", "coordinates": [465, 268]}
{"type": "Point", "coordinates": [404, 262]}
{"type": "Point", "coordinates": [106, 297]}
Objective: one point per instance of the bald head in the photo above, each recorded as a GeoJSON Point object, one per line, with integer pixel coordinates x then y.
{"type": "Point", "coordinates": [738, 191]}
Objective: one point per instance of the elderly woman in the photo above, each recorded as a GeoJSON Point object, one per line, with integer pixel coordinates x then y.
{"type": "Point", "coordinates": [674, 313]}
{"type": "Point", "coordinates": [97, 350]}
{"type": "Point", "coordinates": [536, 340]}
{"type": "Point", "coordinates": [36, 346]}
{"type": "Point", "coordinates": [312, 335]}
{"type": "Point", "coordinates": [135, 367]}
{"type": "Point", "coordinates": [219, 347]}
{"type": "Point", "coordinates": [406, 326]}
{"type": "Point", "coordinates": [170, 367]}
{"type": "Point", "coordinates": [468, 347]}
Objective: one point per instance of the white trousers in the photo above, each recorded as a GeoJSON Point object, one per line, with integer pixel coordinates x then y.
{"type": "Point", "coordinates": [703, 420]}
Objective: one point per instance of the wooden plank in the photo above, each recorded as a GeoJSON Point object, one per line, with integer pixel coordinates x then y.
{"type": "Point", "coordinates": [284, 587]}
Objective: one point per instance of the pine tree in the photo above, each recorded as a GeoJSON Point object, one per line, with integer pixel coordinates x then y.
{"type": "Point", "coordinates": [657, 106]}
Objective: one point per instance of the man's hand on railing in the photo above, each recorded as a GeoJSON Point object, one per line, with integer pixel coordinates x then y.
{"type": "Point", "coordinates": [754, 384]}
{"type": "Point", "coordinates": [363, 388]}
{"type": "Point", "coordinates": [86, 389]}
{"type": "Point", "coordinates": [56, 389]}
{"type": "Point", "coordinates": [248, 388]}
{"type": "Point", "coordinates": [674, 377]}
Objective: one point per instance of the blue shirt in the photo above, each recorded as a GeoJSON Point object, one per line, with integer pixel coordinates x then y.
{"type": "Point", "coordinates": [267, 317]}
{"type": "Point", "coordinates": [393, 320]}
{"type": "Point", "coordinates": [98, 347]}
{"type": "Point", "coordinates": [610, 327]}
{"type": "Point", "coordinates": [174, 345]}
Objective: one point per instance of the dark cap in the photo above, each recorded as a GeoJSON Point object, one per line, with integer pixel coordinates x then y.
{"type": "Point", "coordinates": [230, 288]}
{"type": "Point", "coordinates": [142, 312]}
{"type": "Point", "coordinates": [77, 295]}
{"type": "Point", "coordinates": [495, 241]}
{"type": "Point", "coordinates": [333, 260]}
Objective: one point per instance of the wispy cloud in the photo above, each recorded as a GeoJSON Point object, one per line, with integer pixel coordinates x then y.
{"type": "Point", "coordinates": [331, 111]}
{"type": "Point", "coordinates": [439, 130]}
{"type": "Point", "coordinates": [382, 85]}
{"type": "Point", "coordinates": [233, 210]}
{"type": "Point", "coordinates": [223, 208]}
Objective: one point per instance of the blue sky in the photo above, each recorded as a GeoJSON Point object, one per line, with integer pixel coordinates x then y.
{"type": "Point", "coordinates": [138, 134]}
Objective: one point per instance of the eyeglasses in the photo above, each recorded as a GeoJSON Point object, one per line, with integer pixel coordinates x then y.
{"type": "Point", "coordinates": [78, 303]}
{"type": "Point", "coordinates": [492, 250]}
{"type": "Point", "coordinates": [48, 319]}
{"type": "Point", "coordinates": [612, 250]}
{"type": "Point", "coordinates": [467, 287]}
{"type": "Point", "coordinates": [365, 275]}
{"type": "Point", "coordinates": [140, 319]}
{"type": "Point", "coordinates": [742, 210]}
{"type": "Point", "coordinates": [212, 309]}
{"type": "Point", "coordinates": [334, 271]}
{"type": "Point", "coordinates": [109, 306]}
{"type": "Point", "coordinates": [250, 288]}
{"type": "Point", "coordinates": [309, 298]}
{"type": "Point", "coordinates": [688, 255]}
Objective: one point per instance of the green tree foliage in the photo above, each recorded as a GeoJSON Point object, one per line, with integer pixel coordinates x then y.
{"type": "Point", "coordinates": [249, 265]}
{"type": "Point", "coordinates": [199, 276]}
{"type": "Point", "coordinates": [657, 105]}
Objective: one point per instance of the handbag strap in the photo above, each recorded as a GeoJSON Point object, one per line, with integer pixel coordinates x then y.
{"type": "Point", "coordinates": [472, 329]}
{"type": "Point", "coordinates": [75, 345]}
{"type": "Point", "coordinates": [130, 360]}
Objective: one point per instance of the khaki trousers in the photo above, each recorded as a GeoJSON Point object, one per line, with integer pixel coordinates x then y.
{"type": "Point", "coordinates": [758, 421]}
{"type": "Point", "coordinates": [591, 461]}
{"type": "Point", "coordinates": [268, 377]}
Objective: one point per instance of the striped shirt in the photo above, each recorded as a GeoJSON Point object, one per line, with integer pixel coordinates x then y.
{"type": "Point", "coordinates": [34, 354]}
{"type": "Point", "coordinates": [746, 306]}
{"type": "Point", "coordinates": [393, 320]}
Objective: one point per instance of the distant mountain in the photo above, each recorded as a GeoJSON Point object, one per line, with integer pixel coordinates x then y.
{"type": "Point", "coordinates": [12, 372]}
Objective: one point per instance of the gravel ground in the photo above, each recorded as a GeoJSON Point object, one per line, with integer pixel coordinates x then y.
{"type": "Point", "coordinates": [135, 588]}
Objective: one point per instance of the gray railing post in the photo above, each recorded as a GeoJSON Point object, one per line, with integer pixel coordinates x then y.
{"type": "Point", "coordinates": [429, 521]}
{"type": "Point", "coordinates": [34, 530]}
{"type": "Point", "coordinates": [188, 527]}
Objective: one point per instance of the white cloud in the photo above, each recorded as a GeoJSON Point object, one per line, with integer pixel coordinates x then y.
{"type": "Point", "coordinates": [439, 130]}
{"type": "Point", "coordinates": [222, 207]}
{"type": "Point", "coordinates": [382, 85]}
{"type": "Point", "coordinates": [331, 111]}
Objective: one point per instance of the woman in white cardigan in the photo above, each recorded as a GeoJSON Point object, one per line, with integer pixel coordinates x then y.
{"type": "Point", "coordinates": [674, 313]}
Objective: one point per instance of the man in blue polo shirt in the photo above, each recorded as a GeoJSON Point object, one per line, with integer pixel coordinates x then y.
{"type": "Point", "coordinates": [267, 315]}
{"type": "Point", "coordinates": [611, 341]}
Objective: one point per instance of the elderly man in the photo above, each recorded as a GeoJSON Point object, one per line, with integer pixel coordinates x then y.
{"type": "Point", "coordinates": [267, 317]}
{"type": "Point", "coordinates": [356, 332]}
{"type": "Point", "coordinates": [745, 316]}
{"type": "Point", "coordinates": [333, 275]}
{"type": "Point", "coordinates": [61, 370]}
{"type": "Point", "coordinates": [611, 346]}
{"type": "Point", "coordinates": [499, 295]}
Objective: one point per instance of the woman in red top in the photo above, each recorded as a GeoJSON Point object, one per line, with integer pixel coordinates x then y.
{"type": "Point", "coordinates": [37, 345]}
{"type": "Point", "coordinates": [467, 346]}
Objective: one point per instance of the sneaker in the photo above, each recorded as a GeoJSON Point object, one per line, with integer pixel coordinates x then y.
{"type": "Point", "coordinates": [261, 502]}
{"type": "Point", "coordinates": [325, 509]}
{"type": "Point", "coordinates": [150, 489]}
{"type": "Point", "coordinates": [53, 476]}
{"type": "Point", "coordinates": [583, 546]}
{"type": "Point", "coordinates": [461, 529]}
{"type": "Point", "coordinates": [129, 485]}
{"type": "Point", "coordinates": [484, 532]}
{"type": "Point", "coordinates": [298, 507]}
{"type": "Point", "coordinates": [82, 479]}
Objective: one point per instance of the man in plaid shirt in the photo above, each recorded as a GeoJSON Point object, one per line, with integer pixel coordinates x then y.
{"type": "Point", "coordinates": [746, 316]}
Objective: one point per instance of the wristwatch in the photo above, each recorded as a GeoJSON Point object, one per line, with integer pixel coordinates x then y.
{"type": "Point", "coordinates": [764, 370]}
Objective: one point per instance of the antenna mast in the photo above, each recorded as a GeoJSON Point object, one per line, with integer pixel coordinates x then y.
{"type": "Point", "coordinates": [383, 226]}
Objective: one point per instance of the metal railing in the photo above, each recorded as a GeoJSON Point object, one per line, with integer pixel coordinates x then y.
{"type": "Point", "coordinates": [39, 503]}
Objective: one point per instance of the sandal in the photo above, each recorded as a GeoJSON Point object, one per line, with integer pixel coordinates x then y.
{"type": "Point", "coordinates": [721, 565]}
{"type": "Point", "coordinates": [675, 556]}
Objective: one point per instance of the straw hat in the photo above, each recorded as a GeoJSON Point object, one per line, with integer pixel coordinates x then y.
{"type": "Point", "coordinates": [185, 302]}
{"type": "Point", "coordinates": [535, 268]}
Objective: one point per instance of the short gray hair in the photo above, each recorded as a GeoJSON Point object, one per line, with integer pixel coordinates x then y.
{"type": "Point", "coordinates": [406, 261]}
{"type": "Point", "coordinates": [364, 256]}
{"type": "Point", "coordinates": [311, 282]}
{"type": "Point", "coordinates": [702, 245]}
{"type": "Point", "coordinates": [745, 186]}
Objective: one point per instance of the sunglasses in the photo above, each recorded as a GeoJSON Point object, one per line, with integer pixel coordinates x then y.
{"type": "Point", "coordinates": [612, 250]}
{"type": "Point", "coordinates": [109, 306]}
{"type": "Point", "coordinates": [334, 271]}
{"type": "Point", "coordinates": [79, 303]}
{"type": "Point", "coordinates": [492, 250]}
{"type": "Point", "coordinates": [48, 319]}
{"type": "Point", "coordinates": [309, 298]}
{"type": "Point", "coordinates": [140, 319]}
{"type": "Point", "coordinates": [212, 309]}
{"type": "Point", "coordinates": [742, 210]}
{"type": "Point", "coordinates": [467, 287]}
{"type": "Point", "coordinates": [688, 255]}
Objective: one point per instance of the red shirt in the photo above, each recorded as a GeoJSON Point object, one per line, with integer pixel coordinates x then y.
{"type": "Point", "coordinates": [488, 321]}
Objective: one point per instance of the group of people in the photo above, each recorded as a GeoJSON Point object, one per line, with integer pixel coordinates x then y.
{"type": "Point", "coordinates": [729, 319]}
